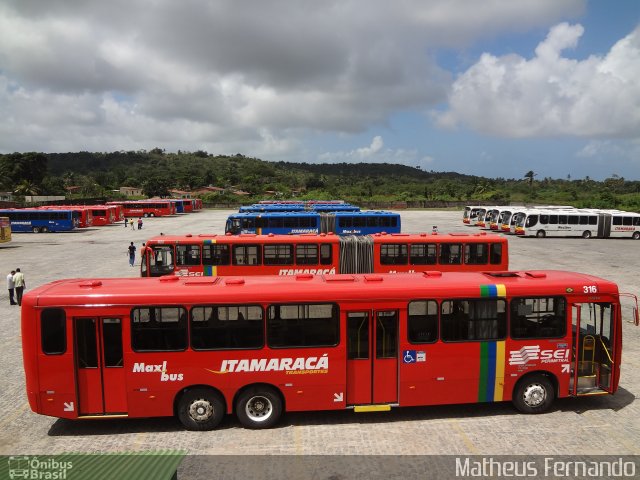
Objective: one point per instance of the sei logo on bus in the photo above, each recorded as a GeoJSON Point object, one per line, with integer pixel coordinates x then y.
{"type": "Point", "coordinates": [531, 353]}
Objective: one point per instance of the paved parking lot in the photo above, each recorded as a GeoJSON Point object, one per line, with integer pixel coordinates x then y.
{"type": "Point", "coordinates": [596, 425]}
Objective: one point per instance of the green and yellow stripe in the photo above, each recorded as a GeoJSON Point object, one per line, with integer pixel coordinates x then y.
{"type": "Point", "coordinates": [491, 378]}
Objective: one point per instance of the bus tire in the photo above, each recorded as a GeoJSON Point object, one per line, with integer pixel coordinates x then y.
{"type": "Point", "coordinates": [35, 230]}
{"type": "Point", "coordinates": [636, 235]}
{"type": "Point", "coordinates": [541, 234]}
{"type": "Point", "coordinates": [533, 394]}
{"type": "Point", "coordinates": [200, 409]}
{"type": "Point", "coordinates": [586, 234]}
{"type": "Point", "coordinates": [145, 215]}
{"type": "Point", "coordinates": [44, 230]}
{"type": "Point", "coordinates": [259, 407]}
{"type": "Point", "coordinates": [152, 214]}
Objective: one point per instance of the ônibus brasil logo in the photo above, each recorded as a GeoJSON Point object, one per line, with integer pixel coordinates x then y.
{"type": "Point", "coordinates": [38, 468]}
{"type": "Point", "coordinates": [532, 353]}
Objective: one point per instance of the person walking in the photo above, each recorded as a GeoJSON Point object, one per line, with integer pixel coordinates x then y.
{"type": "Point", "coordinates": [131, 223]}
{"type": "Point", "coordinates": [139, 223]}
{"type": "Point", "coordinates": [126, 222]}
{"type": "Point", "coordinates": [11, 287]}
{"type": "Point", "coordinates": [20, 285]}
{"type": "Point", "coordinates": [132, 253]}
{"type": "Point", "coordinates": [143, 251]}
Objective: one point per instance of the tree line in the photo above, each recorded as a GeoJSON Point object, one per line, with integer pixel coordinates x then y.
{"type": "Point", "coordinates": [100, 174]}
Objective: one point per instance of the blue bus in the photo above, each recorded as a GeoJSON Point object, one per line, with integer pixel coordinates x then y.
{"type": "Point", "coordinates": [341, 223]}
{"type": "Point", "coordinates": [36, 220]}
{"type": "Point", "coordinates": [299, 207]}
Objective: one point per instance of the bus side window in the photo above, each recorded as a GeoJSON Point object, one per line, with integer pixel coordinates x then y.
{"type": "Point", "coordinates": [423, 254]}
{"type": "Point", "coordinates": [187, 255]}
{"type": "Point", "coordinates": [307, 254]}
{"type": "Point", "coordinates": [53, 330]}
{"type": "Point", "coordinates": [158, 329]}
{"type": "Point", "coordinates": [227, 327]}
{"type": "Point", "coordinates": [215, 254]}
{"type": "Point", "coordinates": [450, 253]}
{"type": "Point", "coordinates": [476, 253]}
{"type": "Point", "coordinates": [543, 317]}
{"type": "Point", "coordinates": [326, 254]}
{"type": "Point", "coordinates": [246, 255]}
{"type": "Point", "coordinates": [393, 254]}
{"type": "Point", "coordinates": [464, 320]}
{"type": "Point", "coordinates": [422, 321]}
{"type": "Point", "coordinates": [496, 253]}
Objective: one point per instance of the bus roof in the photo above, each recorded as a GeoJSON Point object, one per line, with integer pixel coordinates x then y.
{"type": "Point", "coordinates": [172, 290]}
{"type": "Point", "coordinates": [324, 238]}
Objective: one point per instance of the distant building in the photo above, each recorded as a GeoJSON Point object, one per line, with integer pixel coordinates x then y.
{"type": "Point", "coordinates": [209, 189]}
{"type": "Point", "coordinates": [131, 191]}
{"type": "Point", "coordinates": [43, 198]}
{"type": "Point", "coordinates": [179, 194]}
{"type": "Point", "coordinates": [6, 196]}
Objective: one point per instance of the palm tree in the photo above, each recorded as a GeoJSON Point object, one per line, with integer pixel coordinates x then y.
{"type": "Point", "coordinates": [529, 176]}
{"type": "Point", "coordinates": [26, 188]}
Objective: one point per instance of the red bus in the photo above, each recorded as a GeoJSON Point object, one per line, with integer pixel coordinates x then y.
{"type": "Point", "coordinates": [85, 216]}
{"type": "Point", "coordinates": [187, 205]}
{"type": "Point", "coordinates": [103, 214]}
{"type": "Point", "coordinates": [147, 208]}
{"type": "Point", "coordinates": [257, 346]}
{"type": "Point", "coordinates": [250, 254]}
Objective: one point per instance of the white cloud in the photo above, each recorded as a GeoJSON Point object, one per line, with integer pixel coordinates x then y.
{"type": "Point", "coordinates": [375, 153]}
{"type": "Point", "coordinates": [551, 95]}
{"type": "Point", "coordinates": [253, 78]}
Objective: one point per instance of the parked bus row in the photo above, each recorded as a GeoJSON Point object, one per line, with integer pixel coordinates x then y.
{"type": "Point", "coordinates": [158, 207]}
{"type": "Point", "coordinates": [299, 207]}
{"type": "Point", "coordinates": [221, 255]}
{"type": "Point", "coordinates": [560, 221]}
{"type": "Point", "coordinates": [61, 218]}
{"type": "Point", "coordinates": [341, 223]}
{"type": "Point", "coordinates": [258, 346]}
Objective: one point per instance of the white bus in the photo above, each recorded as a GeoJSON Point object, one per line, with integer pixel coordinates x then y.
{"type": "Point", "coordinates": [474, 215]}
{"type": "Point", "coordinates": [585, 223]}
{"type": "Point", "coordinates": [515, 216]}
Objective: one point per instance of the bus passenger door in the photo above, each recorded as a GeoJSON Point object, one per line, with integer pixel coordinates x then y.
{"type": "Point", "coordinates": [99, 366]}
{"type": "Point", "coordinates": [372, 357]}
{"type": "Point", "coordinates": [595, 358]}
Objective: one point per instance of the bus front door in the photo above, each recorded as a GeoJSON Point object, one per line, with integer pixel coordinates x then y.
{"type": "Point", "coordinates": [593, 331]}
{"type": "Point", "coordinates": [372, 357]}
{"type": "Point", "coordinates": [99, 366]}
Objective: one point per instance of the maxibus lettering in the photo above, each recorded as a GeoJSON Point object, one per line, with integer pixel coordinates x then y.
{"type": "Point", "coordinates": [141, 367]}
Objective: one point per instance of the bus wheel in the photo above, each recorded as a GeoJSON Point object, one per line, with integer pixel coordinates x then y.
{"type": "Point", "coordinates": [44, 229]}
{"type": "Point", "coordinates": [35, 230]}
{"type": "Point", "coordinates": [152, 214]}
{"type": "Point", "coordinates": [200, 409]}
{"type": "Point", "coordinates": [259, 408]}
{"type": "Point", "coordinates": [533, 394]}
{"type": "Point", "coordinates": [541, 234]}
{"type": "Point", "coordinates": [145, 215]}
{"type": "Point", "coordinates": [586, 234]}
{"type": "Point", "coordinates": [636, 235]}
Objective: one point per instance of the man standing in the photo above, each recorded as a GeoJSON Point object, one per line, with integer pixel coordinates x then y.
{"type": "Point", "coordinates": [132, 253]}
{"type": "Point", "coordinates": [11, 286]}
{"type": "Point", "coordinates": [19, 283]}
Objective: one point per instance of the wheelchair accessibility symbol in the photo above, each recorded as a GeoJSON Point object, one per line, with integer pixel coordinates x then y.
{"type": "Point", "coordinates": [409, 356]}
{"type": "Point", "coordinates": [413, 356]}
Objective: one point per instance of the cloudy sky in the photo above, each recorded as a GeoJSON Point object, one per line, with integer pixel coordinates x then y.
{"type": "Point", "coordinates": [492, 87]}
